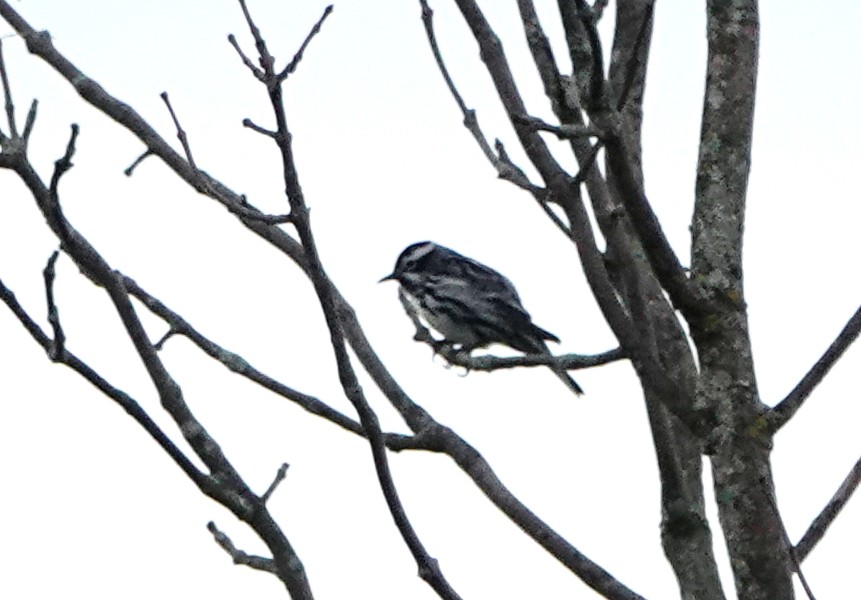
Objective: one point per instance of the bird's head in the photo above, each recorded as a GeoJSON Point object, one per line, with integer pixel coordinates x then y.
{"type": "Point", "coordinates": [411, 261]}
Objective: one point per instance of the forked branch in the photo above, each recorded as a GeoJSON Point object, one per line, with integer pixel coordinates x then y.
{"type": "Point", "coordinates": [428, 567]}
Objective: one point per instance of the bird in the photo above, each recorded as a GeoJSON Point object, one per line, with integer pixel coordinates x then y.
{"type": "Point", "coordinates": [468, 303]}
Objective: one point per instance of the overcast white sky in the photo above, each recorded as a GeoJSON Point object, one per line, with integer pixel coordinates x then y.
{"type": "Point", "coordinates": [92, 508]}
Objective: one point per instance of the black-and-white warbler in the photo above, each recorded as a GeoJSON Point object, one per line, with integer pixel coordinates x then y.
{"type": "Point", "coordinates": [469, 303]}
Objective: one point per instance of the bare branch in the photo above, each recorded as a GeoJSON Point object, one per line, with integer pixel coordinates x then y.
{"type": "Point", "coordinates": [266, 60]}
{"type": "Point", "coordinates": [662, 257]}
{"type": "Point", "coordinates": [31, 120]}
{"type": "Point", "coordinates": [239, 557]}
{"type": "Point", "coordinates": [632, 70]}
{"type": "Point", "coordinates": [564, 131]}
{"type": "Point", "coordinates": [159, 345]}
{"type": "Point", "coordinates": [261, 130]}
{"type": "Point", "coordinates": [246, 211]}
{"type": "Point", "coordinates": [796, 564]}
{"type": "Point", "coordinates": [428, 567]}
{"type": "Point", "coordinates": [823, 521]}
{"type": "Point", "coordinates": [279, 477]}
{"type": "Point", "coordinates": [463, 359]}
{"type": "Point", "coordinates": [505, 168]}
{"type": "Point", "coordinates": [564, 361]}
{"type": "Point", "coordinates": [245, 60]}
{"type": "Point", "coordinates": [291, 67]}
{"type": "Point", "coordinates": [180, 132]}
{"type": "Point", "coordinates": [58, 344]}
{"type": "Point", "coordinates": [129, 404]}
{"type": "Point", "coordinates": [130, 169]}
{"type": "Point", "coordinates": [587, 164]}
{"type": "Point", "coordinates": [235, 362]}
{"type": "Point", "coordinates": [786, 409]}
{"type": "Point", "coordinates": [62, 165]}
{"type": "Point", "coordinates": [598, 96]}
{"type": "Point", "coordinates": [7, 96]}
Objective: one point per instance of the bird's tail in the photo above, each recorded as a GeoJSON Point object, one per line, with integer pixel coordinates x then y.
{"type": "Point", "coordinates": [567, 380]}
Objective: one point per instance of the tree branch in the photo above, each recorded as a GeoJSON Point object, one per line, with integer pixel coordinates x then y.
{"type": "Point", "coordinates": [229, 489]}
{"type": "Point", "coordinates": [823, 521]}
{"type": "Point", "coordinates": [126, 402]}
{"type": "Point", "coordinates": [505, 168]}
{"type": "Point", "coordinates": [494, 363]}
{"type": "Point", "coordinates": [236, 363]}
{"type": "Point", "coordinates": [291, 66]}
{"type": "Point", "coordinates": [180, 132]}
{"type": "Point", "coordinates": [7, 97]}
{"type": "Point", "coordinates": [786, 409]}
{"type": "Point", "coordinates": [280, 475]}
{"type": "Point", "coordinates": [428, 567]}
{"type": "Point", "coordinates": [239, 557]}
{"type": "Point", "coordinates": [58, 344]}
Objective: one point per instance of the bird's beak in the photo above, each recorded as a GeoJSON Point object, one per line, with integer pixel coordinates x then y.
{"type": "Point", "coordinates": [388, 277]}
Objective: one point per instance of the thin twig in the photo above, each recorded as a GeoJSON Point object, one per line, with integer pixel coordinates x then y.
{"type": "Point", "coordinates": [564, 131]}
{"type": "Point", "coordinates": [266, 60]}
{"type": "Point", "coordinates": [255, 127]}
{"type": "Point", "coordinates": [62, 165]}
{"type": "Point", "coordinates": [786, 409]}
{"type": "Point", "coordinates": [58, 344]}
{"type": "Point", "coordinates": [259, 563]}
{"type": "Point", "coordinates": [796, 564]}
{"type": "Point", "coordinates": [291, 67]}
{"type": "Point", "coordinates": [245, 60]}
{"type": "Point", "coordinates": [824, 519]}
{"type": "Point", "coordinates": [7, 96]}
{"type": "Point", "coordinates": [159, 345]}
{"type": "Point", "coordinates": [180, 132]}
{"type": "Point", "coordinates": [279, 477]}
{"type": "Point", "coordinates": [31, 120]}
{"type": "Point", "coordinates": [505, 168]}
{"type": "Point", "coordinates": [130, 169]}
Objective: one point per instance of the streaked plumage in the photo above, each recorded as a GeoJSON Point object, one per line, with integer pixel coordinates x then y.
{"type": "Point", "coordinates": [469, 303]}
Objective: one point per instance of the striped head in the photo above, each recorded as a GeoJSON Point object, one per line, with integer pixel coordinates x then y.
{"type": "Point", "coordinates": [416, 262]}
